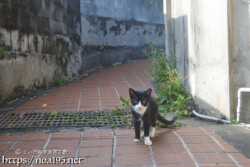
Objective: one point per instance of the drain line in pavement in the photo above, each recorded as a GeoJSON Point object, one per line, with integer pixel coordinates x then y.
{"type": "Point", "coordinates": [113, 149]}
{"type": "Point", "coordinates": [61, 97]}
{"type": "Point", "coordinates": [12, 144]}
{"type": "Point", "coordinates": [124, 77]}
{"type": "Point", "coordinates": [185, 146]}
{"type": "Point", "coordinates": [110, 78]}
{"type": "Point", "coordinates": [221, 146]}
{"type": "Point", "coordinates": [99, 93]}
{"type": "Point", "coordinates": [137, 77]}
{"type": "Point", "coordinates": [44, 147]}
{"type": "Point", "coordinates": [152, 156]}
{"type": "Point", "coordinates": [78, 148]}
{"type": "Point", "coordinates": [80, 99]}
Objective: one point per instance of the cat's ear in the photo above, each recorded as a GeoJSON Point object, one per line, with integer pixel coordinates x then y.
{"type": "Point", "coordinates": [149, 91]}
{"type": "Point", "coordinates": [131, 91]}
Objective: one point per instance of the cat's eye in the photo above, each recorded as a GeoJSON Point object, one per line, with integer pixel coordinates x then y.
{"type": "Point", "coordinates": [136, 101]}
{"type": "Point", "coordinates": [144, 101]}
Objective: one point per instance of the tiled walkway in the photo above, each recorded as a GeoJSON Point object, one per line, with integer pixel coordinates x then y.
{"type": "Point", "coordinates": [100, 91]}
{"type": "Point", "coordinates": [190, 146]}
{"type": "Point", "coordinates": [186, 146]}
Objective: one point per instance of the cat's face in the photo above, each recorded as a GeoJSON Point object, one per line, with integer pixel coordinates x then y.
{"type": "Point", "coordinates": [139, 100]}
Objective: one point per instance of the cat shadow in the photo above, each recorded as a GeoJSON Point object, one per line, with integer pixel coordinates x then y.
{"type": "Point", "coordinates": [164, 136]}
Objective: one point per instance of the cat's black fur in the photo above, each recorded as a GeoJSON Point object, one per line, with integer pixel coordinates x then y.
{"type": "Point", "coordinates": [150, 115]}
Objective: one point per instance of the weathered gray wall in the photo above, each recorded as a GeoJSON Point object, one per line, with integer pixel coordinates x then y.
{"type": "Point", "coordinates": [240, 55]}
{"type": "Point", "coordinates": [41, 39]}
{"type": "Point", "coordinates": [210, 39]}
{"type": "Point", "coordinates": [44, 39]}
{"type": "Point", "coordinates": [116, 30]}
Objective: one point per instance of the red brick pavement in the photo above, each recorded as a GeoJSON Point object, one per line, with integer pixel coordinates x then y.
{"type": "Point", "coordinates": [189, 146]}
{"type": "Point", "coordinates": [100, 91]}
{"type": "Point", "coordinates": [186, 146]}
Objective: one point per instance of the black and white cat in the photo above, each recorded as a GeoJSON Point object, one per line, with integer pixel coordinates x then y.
{"type": "Point", "coordinates": [145, 108]}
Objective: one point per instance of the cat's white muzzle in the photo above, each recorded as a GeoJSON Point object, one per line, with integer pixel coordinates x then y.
{"type": "Point", "coordinates": [139, 108]}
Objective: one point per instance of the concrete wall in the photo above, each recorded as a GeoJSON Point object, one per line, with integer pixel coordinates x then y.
{"type": "Point", "coordinates": [199, 34]}
{"type": "Point", "coordinates": [44, 39]}
{"type": "Point", "coordinates": [116, 30]}
{"type": "Point", "coordinates": [240, 55]}
{"type": "Point", "coordinates": [41, 40]}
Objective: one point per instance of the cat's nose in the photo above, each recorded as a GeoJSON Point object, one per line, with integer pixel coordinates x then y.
{"type": "Point", "coordinates": [139, 108]}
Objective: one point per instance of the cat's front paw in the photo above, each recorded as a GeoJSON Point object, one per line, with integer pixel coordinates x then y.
{"type": "Point", "coordinates": [147, 141]}
{"type": "Point", "coordinates": [136, 140]}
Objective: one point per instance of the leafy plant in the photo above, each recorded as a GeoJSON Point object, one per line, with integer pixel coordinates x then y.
{"type": "Point", "coordinates": [116, 64]}
{"type": "Point", "coordinates": [53, 114]}
{"type": "Point", "coordinates": [117, 111]}
{"type": "Point", "coordinates": [1, 51]}
{"type": "Point", "coordinates": [61, 80]}
{"type": "Point", "coordinates": [125, 103]}
{"type": "Point", "coordinates": [125, 106]}
{"type": "Point", "coordinates": [234, 122]}
{"type": "Point", "coordinates": [10, 125]}
{"type": "Point", "coordinates": [172, 95]}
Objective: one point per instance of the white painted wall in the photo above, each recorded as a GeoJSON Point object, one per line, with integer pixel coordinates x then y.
{"type": "Point", "coordinates": [198, 33]}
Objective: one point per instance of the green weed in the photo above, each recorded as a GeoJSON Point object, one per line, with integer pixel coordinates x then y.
{"type": "Point", "coordinates": [53, 114]}
{"type": "Point", "coordinates": [61, 80]}
{"type": "Point", "coordinates": [234, 122]}
{"type": "Point", "coordinates": [116, 64]}
{"type": "Point", "coordinates": [125, 106]}
{"type": "Point", "coordinates": [172, 96]}
{"type": "Point", "coordinates": [1, 51]}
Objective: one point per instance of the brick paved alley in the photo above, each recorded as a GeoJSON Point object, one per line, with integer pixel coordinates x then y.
{"type": "Point", "coordinates": [185, 146]}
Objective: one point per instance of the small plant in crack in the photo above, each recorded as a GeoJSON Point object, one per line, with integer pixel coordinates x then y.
{"type": "Point", "coordinates": [10, 125]}
{"type": "Point", "coordinates": [66, 114]}
{"type": "Point", "coordinates": [61, 80]}
{"type": "Point", "coordinates": [64, 122]}
{"type": "Point", "coordinates": [1, 51]}
{"type": "Point", "coordinates": [125, 103]}
{"type": "Point", "coordinates": [234, 122]}
{"type": "Point", "coordinates": [110, 121]}
{"type": "Point", "coordinates": [116, 64]}
{"type": "Point", "coordinates": [125, 107]}
{"type": "Point", "coordinates": [96, 121]}
{"type": "Point", "coordinates": [47, 117]}
{"type": "Point", "coordinates": [53, 114]}
{"type": "Point", "coordinates": [74, 121]}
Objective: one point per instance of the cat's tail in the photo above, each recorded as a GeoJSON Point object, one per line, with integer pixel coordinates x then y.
{"type": "Point", "coordinates": [167, 122]}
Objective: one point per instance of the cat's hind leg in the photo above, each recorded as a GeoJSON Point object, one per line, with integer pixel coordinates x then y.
{"type": "Point", "coordinates": [152, 128]}
{"type": "Point", "coordinates": [152, 132]}
{"type": "Point", "coordinates": [146, 127]}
